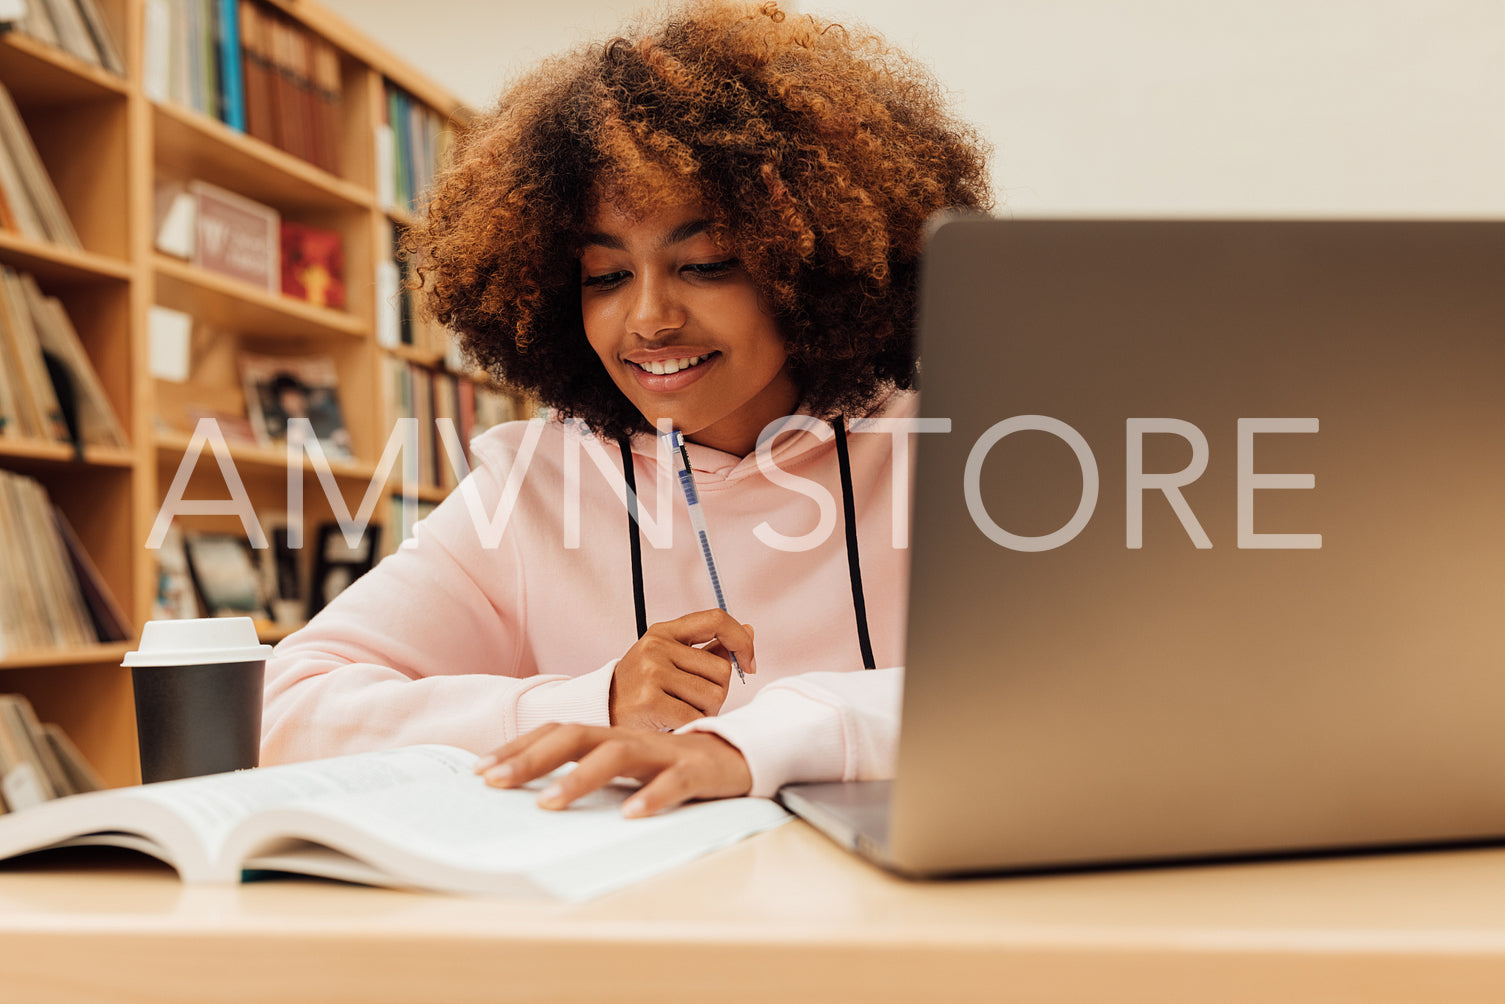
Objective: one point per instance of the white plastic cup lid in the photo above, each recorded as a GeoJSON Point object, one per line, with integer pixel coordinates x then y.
{"type": "Point", "coordinates": [199, 640]}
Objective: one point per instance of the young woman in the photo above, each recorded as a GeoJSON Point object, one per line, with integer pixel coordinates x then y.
{"type": "Point", "coordinates": [711, 224]}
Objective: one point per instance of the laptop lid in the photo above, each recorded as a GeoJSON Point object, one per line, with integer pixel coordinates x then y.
{"type": "Point", "coordinates": [1212, 561]}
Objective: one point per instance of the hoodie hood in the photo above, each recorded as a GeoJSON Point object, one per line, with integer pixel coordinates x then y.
{"type": "Point", "coordinates": [792, 447]}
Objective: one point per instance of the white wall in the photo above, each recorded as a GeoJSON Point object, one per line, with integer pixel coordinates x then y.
{"type": "Point", "coordinates": [1267, 107]}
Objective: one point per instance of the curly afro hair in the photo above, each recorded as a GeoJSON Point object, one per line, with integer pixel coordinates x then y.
{"type": "Point", "coordinates": [817, 150]}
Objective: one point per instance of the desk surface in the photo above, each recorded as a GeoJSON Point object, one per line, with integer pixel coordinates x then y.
{"type": "Point", "coordinates": [781, 917]}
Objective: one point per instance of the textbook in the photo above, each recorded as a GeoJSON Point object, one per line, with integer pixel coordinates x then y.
{"type": "Point", "coordinates": [415, 818]}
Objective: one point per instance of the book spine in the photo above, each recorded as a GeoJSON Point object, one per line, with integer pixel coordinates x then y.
{"type": "Point", "coordinates": [156, 50]}
{"type": "Point", "coordinates": [37, 23]}
{"type": "Point", "coordinates": [73, 33]}
{"type": "Point", "coordinates": [47, 414]}
{"type": "Point", "coordinates": [232, 84]}
{"type": "Point", "coordinates": [35, 187]}
{"type": "Point", "coordinates": [256, 69]}
{"type": "Point", "coordinates": [206, 52]}
{"type": "Point", "coordinates": [102, 37]}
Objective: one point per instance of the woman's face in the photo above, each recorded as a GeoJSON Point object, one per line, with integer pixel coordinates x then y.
{"type": "Point", "coordinates": [677, 323]}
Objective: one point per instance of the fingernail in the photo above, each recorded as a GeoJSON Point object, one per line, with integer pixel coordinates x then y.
{"type": "Point", "coordinates": [552, 797]}
{"type": "Point", "coordinates": [635, 807]}
{"type": "Point", "coordinates": [489, 760]}
{"type": "Point", "coordinates": [500, 775]}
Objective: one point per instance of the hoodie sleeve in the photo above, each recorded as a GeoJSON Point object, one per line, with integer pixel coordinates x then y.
{"type": "Point", "coordinates": [816, 727]}
{"type": "Point", "coordinates": [425, 648]}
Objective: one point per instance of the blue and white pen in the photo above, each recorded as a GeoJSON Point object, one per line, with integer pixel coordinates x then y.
{"type": "Point", "coordinates": [697, 522]}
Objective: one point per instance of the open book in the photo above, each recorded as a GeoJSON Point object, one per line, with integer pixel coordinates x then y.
{"type": "Point", "coordinates": [409, 818]}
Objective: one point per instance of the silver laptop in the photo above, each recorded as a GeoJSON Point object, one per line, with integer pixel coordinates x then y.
{"type": "Point", "coordinates": [1212, 562]}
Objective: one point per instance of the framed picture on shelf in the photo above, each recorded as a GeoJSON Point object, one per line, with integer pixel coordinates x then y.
{"type": "Point", "coordinates": [282, 573]}
{"type": "Point", "coordinates": [280, 389]}
{"type": "Point", "coordinates": [225, 571]}
{"type": "Point", "coordinates": [337, 564]}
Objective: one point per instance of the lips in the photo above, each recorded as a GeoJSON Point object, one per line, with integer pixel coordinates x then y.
{"type": "Point", "coordinates": [664, 373]}
{"type": "Point", "coordinates": [661, 367]}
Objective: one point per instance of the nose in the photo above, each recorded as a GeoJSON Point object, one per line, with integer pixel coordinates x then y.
{"type": "Point", "coordinates": [654, 310]}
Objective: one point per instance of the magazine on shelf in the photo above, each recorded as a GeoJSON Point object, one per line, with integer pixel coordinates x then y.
{"type": "Point", "coordinates": [313, 265]}
{"type": "Point", "coordinates": [337, 562]}
{"type": "Point", "coordinates": [416, 817]}
{"type": "Point", "coordinates": [236, 236]}
{"type": "Point", "coordinates": [176, 597]}
{"type": "Point", "coordinates": [226, 574]}
{"type": "Point", "coordinates": [281, 388]}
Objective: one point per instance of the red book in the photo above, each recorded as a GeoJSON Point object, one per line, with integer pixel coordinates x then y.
{"type": "Point", "coordinates": [313, 265]}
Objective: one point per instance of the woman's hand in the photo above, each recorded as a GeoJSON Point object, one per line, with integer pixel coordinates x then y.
{"type": "Point", "coordinates": [665, 681]}
{"type": "Point", "coordinates": [673, 768]}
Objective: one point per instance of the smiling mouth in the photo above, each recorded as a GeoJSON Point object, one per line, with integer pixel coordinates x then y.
{"type": "Point", "coordinates": [663, 367]}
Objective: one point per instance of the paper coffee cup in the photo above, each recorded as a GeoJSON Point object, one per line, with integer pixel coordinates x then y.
{"type": "Point", "coordinates": [198, 687]}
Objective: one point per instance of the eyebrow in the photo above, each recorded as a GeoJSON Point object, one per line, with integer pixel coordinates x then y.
{"type": "Point", "coordinates": [678, 235]}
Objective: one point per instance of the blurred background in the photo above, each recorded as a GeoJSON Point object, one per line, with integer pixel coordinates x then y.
{"type": "Point", "coordinates": [1245, 107]}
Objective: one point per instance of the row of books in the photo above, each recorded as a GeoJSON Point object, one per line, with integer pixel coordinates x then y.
{"type": "Point", "coordinates": [227, 233]}
{"type": "Point", "coordinates": [399, 320]}
{"type": "Point", "coordinates": [412, 142]}
{"type": "Point", "coordinates": [51, 594]}
{"type": "Point", "coordinates": [37, 762]}
{"type": "Point", "coordinates": [441, 400]}
{"type": "Point", "coordinates": [29, 204]}
{"type": "Point", "coordinates": [251, 68]}
{"type": "Point", "coordinates": [49, 390]}
{"type": "Point", "coordinates": [75, 26]}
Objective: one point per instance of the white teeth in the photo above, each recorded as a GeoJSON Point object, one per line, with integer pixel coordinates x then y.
{"type": "Point", "coordinates": [663, 367]}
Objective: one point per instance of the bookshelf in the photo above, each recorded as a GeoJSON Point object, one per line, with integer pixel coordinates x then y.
{"type": "Point", "coordinates": [106, 141]}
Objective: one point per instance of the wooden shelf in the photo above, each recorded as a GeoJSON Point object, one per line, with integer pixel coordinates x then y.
{"type": "Point", "coordinates": [40, 74]}
{"type": "Point", "coordinates": [270, 632]}
{"type": "Point", "coordinates": [222, 302]}
{"type": "Point", "coordinates": [49, 261]}
{"type": "Point", "coordinates": [105, 142]}
{"type": "Point", "coordinates": [427, 493]}
{"type": "Point", "coordinates": [173, 445]}
{"type": "Point", "coordinates": [190, 145]}
{"type": "Point", "coordinates": [90, 655]}
{"type": "Point", "coordinates": [433, 358]}
{"type": "Point", "coordinates": [62, 453]}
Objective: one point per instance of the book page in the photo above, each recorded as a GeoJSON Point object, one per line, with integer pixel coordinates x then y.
{"type": "Point", "coordinates": [212, 806]}
{"type": "Point", "coordinates": [185, 822]}
{"type": "Point", "coordinates": [459, 835]}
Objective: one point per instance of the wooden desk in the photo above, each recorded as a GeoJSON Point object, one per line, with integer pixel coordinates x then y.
{"type": "Point", "coordinates": [782, 917]}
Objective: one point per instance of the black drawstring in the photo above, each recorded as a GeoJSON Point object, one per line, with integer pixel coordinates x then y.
{"type": "Point", "coordinates": [634, 536]}
{"type": "Point", "coordinates": [854, 564]}
{"type": "Point", "coordinates": [849, 511]}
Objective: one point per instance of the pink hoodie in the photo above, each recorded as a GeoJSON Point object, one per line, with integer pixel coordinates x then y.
{"type": "Point", "coordinates": [512, 602]}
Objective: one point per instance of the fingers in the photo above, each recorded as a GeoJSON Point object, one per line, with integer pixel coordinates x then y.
{"type": "Point", "coordinates": [711, 625]}
{"type": "Point", "coordinates": [677, 768]}
{"type": "Point", "coordinates": [668, 658]}
{"type": "Point", "coordinates": [664, 680]}
{"type": "Point", "coordinates": [545, 749]}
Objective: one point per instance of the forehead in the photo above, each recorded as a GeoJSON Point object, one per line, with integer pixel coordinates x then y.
{"type": "Point", "coordinates": [613, 225]}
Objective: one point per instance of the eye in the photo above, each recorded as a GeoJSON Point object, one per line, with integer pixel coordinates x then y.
{"type": "Point", "coordinates": [713, 269]}
{"type": "Point", "coordinates": [606, 280]}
